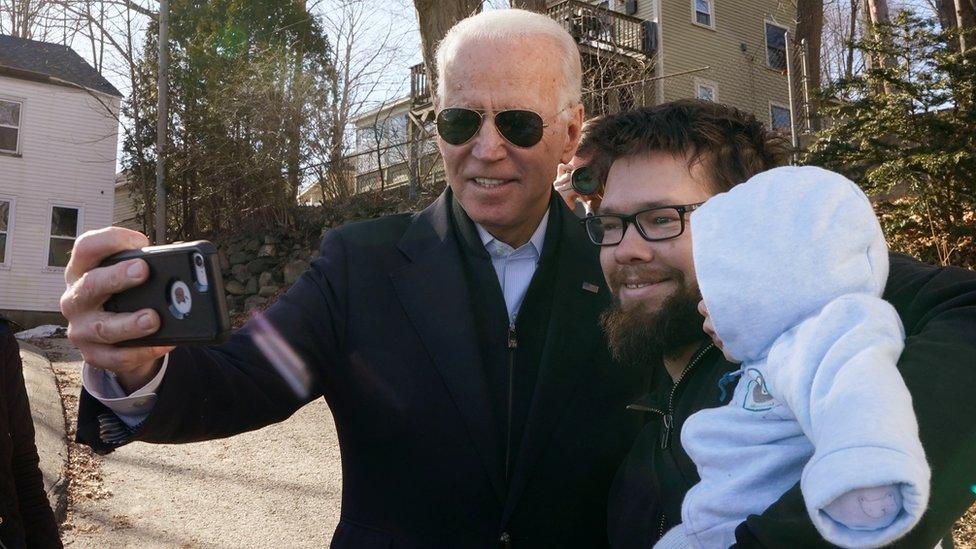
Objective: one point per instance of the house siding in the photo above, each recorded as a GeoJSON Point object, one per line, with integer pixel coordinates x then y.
{"type": "Point", "coordinates": [67, 157]}
{"type": "Point", "coordinates": [744, 79]}
{"type": "Point", "coordinates": [124, 212]}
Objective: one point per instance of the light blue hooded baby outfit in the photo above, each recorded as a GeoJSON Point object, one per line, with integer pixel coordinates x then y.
{"type": "Point", "coordinates": [791, 266]}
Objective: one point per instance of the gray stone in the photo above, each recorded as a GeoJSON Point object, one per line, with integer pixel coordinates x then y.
{"type": "Point", "coordinates": [251, 287]}
{"type": "Point", "coordinates": [294, 269]}
{"type": "Point", "coordinates": [222, 259]}
{"type": "Point", "coordinates": [234, 288]}
{"type": "Point", "coordinates": [259, 265]}
{"type": "Point", "coordinates": [265, 279]}
{"type": "Point", "coordinates": [267, 250]}
{"type": "Point", "coordinates": [254, 302]}
{"type": "Point", "coordinates": [239, 272]}
{"type": "Point", "coordinates": [235, 247]}
{"type": "Point", "coordinates": [268, 291]}
{"type": "Point", "coordinates": [236, 258]}
{"type": "Point", "coordinates": [252, 244]}
{"type": "Point", "coordinates": [270, 239]}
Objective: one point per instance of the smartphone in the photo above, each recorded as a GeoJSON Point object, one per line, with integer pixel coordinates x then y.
{"type": "Point", "coordinates": [184, 287]}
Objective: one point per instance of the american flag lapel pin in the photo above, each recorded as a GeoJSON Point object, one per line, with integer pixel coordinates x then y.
{"type": "Point", "coordinates": [589, 287]}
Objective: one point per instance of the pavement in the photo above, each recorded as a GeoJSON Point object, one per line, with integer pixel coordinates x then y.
{"type": "Point", "coordinates": [49, 425]}
{"type": "Point", "coordinates": [278, 486]}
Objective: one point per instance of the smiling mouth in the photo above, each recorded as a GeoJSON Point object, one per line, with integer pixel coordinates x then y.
{"type": "Point", "coordinates": [639, 285]}
{"type": "Point", "coordinates": [489, 183]}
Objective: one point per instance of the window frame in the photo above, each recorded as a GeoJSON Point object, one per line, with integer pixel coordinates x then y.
{"type": "Point", "coordinates": [80, 224]}
{"type": "Point", "coordinates": [767, 23]}
{"type": "Point", "coordinates": [789, 129]}
{"type": "Point", "coordinates": [701, 82]}
{"type": "Point", "coordinates": [711, 15]}
{"type": "Point", "coordinates": [11, 216]}
{"type": "Point", "coordinates": [20, 126]}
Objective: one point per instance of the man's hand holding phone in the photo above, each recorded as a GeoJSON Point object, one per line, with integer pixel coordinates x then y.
{"type": "Point", "coordinates": [96, 332]}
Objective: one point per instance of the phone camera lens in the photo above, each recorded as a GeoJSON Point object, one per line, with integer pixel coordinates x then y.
{"type": "Point", "coordinates": [198, 260]}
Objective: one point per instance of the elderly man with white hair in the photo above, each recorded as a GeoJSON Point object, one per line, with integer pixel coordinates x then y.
{"type": "Point", "coordinates": [458, 348]}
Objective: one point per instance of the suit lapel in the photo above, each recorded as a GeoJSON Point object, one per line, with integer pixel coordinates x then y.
{"type": "Point", "coordinates": [571, 339]}
{"type": "Point", "coordinates": [433, 291]}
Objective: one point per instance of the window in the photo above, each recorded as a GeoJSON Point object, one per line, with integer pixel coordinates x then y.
{"type": "Point", "coordinates": [9, 126]}
{"type": "Point", "coordinates": [707, 90]}
{"type": "Point", "coordinates": [703, 12]}
{"type": "Point", "coordinates": [65, 221]}
{"type": "Point", "coordinates": [6, 219]}
{"type": "Point", "coordinates": [779, 118]}
{"type": "Point", "coordinates": [776, 46]}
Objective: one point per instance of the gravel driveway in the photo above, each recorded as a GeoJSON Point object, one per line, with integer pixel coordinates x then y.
{"type": "Point", "coordinates": [276, 487]}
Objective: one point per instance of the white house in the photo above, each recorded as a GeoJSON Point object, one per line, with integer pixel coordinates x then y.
{"type": "Point", "coordinates": [58, 141]}
{"type": "Point", "coordinates": [382, 156]}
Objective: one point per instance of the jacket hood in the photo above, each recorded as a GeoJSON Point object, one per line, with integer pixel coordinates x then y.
{"type": "Point", "coordinates": [774, 250]}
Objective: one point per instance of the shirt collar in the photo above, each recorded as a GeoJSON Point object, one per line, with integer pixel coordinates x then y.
{"type": "Point", "coordinates": [537, 240]}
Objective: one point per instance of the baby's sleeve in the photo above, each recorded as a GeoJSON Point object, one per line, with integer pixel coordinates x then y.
{"type": "Point", "coordinates": [838, 375]}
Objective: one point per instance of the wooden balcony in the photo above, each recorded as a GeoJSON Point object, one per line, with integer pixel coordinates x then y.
{"type": "Point", "coordinates": [601, 29]}
{"type": "Point", "coordinates": [596, 30]}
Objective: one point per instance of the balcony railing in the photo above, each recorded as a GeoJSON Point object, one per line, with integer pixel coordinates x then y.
{"type": "Point", "coordinates": [419, 89]}
{"type": "Point", "coordinates": [601, 28]}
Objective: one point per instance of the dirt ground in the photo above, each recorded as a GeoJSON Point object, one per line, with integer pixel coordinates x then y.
{"type": "Point", "coordinates": [279, 486]}
{"type": "Point", "coordinates": [254, 490]}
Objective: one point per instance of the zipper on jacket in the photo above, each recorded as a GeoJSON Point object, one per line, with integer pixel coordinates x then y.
{"type": "Point", "coordinates": [660, 530]}
{"type": "Point", "coordinates": [512, 345]}
{"type": "Point", "coordinates": [669, 416]}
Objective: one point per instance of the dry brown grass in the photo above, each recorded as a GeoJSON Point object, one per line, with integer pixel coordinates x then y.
{"type": "Point", "coordinates": [964, 532]}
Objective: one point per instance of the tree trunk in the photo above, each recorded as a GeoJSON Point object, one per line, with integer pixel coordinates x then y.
{"type": "Point", "coordinates": [809, 27]}
{"type": "Point", "coordinates": [951, 12]}
{"type": "Point", "coordinates": [436, 17]}
{"type": "Point", "coordinates": [965, 13]}
{"type": "Point", "coordinates": [877, 14]}
{"type": "Point", "coordinates": [531, 5]}
{"type": "Point", "coordinates": [849, 67]}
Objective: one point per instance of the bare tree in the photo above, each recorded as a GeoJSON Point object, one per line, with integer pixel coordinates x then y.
{"type": "Point", "coordinates": [809, 31]}
{"type": "Point", "coordinates": [364, 48]}
{"type": "Point", "coordinates": [838, 54]}
{"type": "Point", "coordinates": [956, 14]}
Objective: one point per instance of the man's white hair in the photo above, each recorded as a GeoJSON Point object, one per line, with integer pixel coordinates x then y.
{"type": "Point", "coordinates": [514, 25]}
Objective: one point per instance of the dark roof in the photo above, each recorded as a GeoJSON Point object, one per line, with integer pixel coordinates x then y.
{"type": "Point", "coordinates": [52, 63]}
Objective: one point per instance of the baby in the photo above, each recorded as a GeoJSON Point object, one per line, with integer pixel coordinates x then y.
{"type": "Point", "coordinates": [791, 266]}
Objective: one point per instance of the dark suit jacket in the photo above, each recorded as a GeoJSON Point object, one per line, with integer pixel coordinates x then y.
{"type": "Point", "coordinates": [384, 315]}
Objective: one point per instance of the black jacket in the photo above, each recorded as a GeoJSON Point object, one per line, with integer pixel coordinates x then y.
{"type": "Point", "coordinates": [938, 308]}
{"type": "Point", "coordinates": [26, 519]}
{"type": "Point", "coordinates": [385, 317]}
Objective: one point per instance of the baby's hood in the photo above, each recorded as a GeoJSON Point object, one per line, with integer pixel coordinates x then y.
{"type": "Point", "coordinates": [774, 250]}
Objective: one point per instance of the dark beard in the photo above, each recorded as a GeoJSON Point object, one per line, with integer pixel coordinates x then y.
{"type": "Point", "coordinates": [642, 338]}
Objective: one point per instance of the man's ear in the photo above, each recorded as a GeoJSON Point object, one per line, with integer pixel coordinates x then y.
{"type": "Point", "coordinates": [573, 130]}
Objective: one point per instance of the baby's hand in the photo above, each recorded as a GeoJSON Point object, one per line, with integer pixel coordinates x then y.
{"type": "Point", "coordinates": [867, 508]}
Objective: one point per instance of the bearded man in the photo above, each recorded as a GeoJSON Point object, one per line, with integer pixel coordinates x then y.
{"type": "Point", "coordinates": [665, 161]}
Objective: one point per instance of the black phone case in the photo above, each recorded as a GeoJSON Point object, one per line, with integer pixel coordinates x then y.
{"type": "Point", "coordinates": [206, 321]}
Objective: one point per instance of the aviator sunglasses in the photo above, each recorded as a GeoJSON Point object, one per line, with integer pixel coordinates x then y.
{"type": "Point", "coordinates": [457, 125]}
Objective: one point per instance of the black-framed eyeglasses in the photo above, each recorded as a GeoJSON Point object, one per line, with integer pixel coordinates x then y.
{"type": "Point", "coordinates": [653, 224]}
{"type": "Point", "coordinates": [522, 128]}
{"type": "Point", "coordinates": [583, 181]}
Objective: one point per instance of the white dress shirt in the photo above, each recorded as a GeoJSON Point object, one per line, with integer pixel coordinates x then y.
{"type": "Point", "coordinates": [514, 268]}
